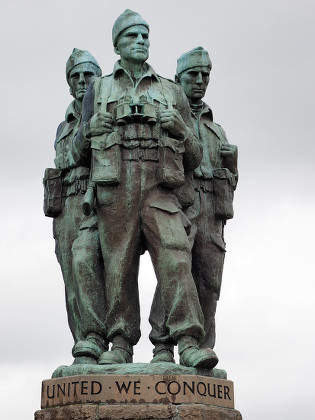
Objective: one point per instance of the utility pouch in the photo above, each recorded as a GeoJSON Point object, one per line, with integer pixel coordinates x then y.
{"type": "Point", "coordinates": [52, 192]}
{"type": "Point", "coordinates": [106, 159]}
{"type": "Point", "coordinates": [186, 193]}
{"type": "Point", "coordinates": [171, 171]}
{"type": "Point", "coordinates": [224, 184]}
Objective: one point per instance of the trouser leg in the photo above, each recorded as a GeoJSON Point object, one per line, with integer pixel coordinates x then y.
{"type": "Point", "coordinates": [207, 271]}
{"type": "Point", "coordinates": [159, 335]}
{"type": "Point", "coordinates": [66, 228]}
{"type": "Point", "coordinates": [208, 301]}
{"type": "Point", "coordinates": [168, 246]}
{"type": "Point", "coordinates": [207, 264]}
{"type": "Point", "coordinates": [119, 230]}
{"type": "Point", "coordinates": [158, 317]}
{"type": "Point", "coordinates": [88, 270]}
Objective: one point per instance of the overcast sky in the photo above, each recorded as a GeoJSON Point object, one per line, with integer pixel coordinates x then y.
{"type": "Point", "coordinates": [262, 93]}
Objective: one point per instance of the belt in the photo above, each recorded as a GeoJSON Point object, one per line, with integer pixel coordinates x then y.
{"type": "Point", "coordinates": [140, 154]}
{"type": "Point", "coordinates": [75, 187]}
{"type": "Point", "coordinates": [203, 184]}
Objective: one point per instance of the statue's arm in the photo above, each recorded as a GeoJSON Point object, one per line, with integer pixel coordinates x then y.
{"type": "Point", "coordinates": [229, 153]}
{"type": "Point", "coordinates": [80, 148]}
{"type": "Point", "coordinates": [193, 147]}
{"type": "Point", "coordinates": [63, 158]}
{"type": "Point", "coordinates": [59, 130]}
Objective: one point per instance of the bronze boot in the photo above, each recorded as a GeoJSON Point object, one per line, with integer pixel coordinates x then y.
{"type": "Point", "coordinates": [192, 356]}
{"type": "Point", "coordinates": [121, 352]}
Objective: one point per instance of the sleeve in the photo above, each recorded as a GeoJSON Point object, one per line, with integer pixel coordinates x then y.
{"type": "Point", "coordinates": [59, 148]}
{"type": "Point", "coordinates": [80, 148]}
{"type": "Point", "coordinates": [59, 130]}
{"type": "Point", "coordinates": [224, 140]}
{"type": "Point", "coordinates": [223, 135]}
{"type": "Point", "coordinates": [193, 148]}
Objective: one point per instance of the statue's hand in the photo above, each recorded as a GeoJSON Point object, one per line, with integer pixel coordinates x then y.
{"type": "Point", "coordinates": [229, 153]}
{"type": "Point", "coordinates": [101, 123]}
{"type": "Point", "coordinates": [172, 121]}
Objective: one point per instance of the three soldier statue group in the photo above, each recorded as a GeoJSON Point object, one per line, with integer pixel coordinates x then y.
{"type": "Point", "coordinates": [140, 166]}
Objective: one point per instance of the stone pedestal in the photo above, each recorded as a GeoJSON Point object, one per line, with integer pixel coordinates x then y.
{"type": "Point", "coordinates": [161, 391]}
{"type": "Point", "coordinates": [138, 412]}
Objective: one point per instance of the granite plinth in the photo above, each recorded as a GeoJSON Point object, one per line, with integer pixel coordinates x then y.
{"type": "Point", "coordinates": [148, 389]}
{"type": "Point", "coordinates": [138, 412]}
{"type": "Point", "coordinates": [137, 391]}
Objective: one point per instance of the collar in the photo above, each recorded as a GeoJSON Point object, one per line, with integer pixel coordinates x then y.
{"type": "Point", "coordinates": [149, 73]}
{"type": "Point", "coordinates": [71, 113]}
{"type": "Point", "coordinates": [206, 110]}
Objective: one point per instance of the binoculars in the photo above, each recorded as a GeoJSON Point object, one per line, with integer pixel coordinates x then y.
{"type": "Point", "coordinates": [128, 112]}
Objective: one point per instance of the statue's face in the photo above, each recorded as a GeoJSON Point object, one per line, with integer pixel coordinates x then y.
{"type": "Point", "coordinates": [133, 44]}
{"type": "Point", "coordinates": [79, 79]}
{"type": "Point", "coordinates": [195, 81]}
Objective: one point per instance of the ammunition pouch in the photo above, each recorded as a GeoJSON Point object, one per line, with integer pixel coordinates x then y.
{"type": "Point", "coordinates": [106, 159]}
{"type": "Point", "coordinates": [224, 184]}
{"type": "Point", "coordinates": [52, 192]}
{"type": "Point", "coordinates": [170, 172]}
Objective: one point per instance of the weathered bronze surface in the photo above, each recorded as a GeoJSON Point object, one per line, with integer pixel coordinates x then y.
{"type": "Point", "coordinates": [214, 182]}
{"type": "Point", "coordinates": [76, 235]}
{"type": "Point", "coordinates": [143, 169]}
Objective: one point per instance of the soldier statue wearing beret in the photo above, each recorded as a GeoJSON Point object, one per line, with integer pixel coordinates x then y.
{"type": "Point", "coordinates": [214, 182]}
{"type": "Point", "coordinates": [76, 235]}
{"type": "Point", "coordinates": [137, 131]}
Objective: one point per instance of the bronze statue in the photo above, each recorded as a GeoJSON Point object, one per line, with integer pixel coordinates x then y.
{"type": "Point", "coordinates": [137, 132]}
{"type": "Point", "coordinates": [76, 235]}
{"type": "Point", "coordinates": [214, 181]}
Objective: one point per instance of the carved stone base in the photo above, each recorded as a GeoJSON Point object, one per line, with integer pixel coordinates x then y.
{"type": "Point", "coordinates": [138, 412]}
{"type": "Point", "coordinates": [137, 396]}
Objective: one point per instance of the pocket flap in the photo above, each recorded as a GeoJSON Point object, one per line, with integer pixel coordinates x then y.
{"type": "Point", "coordinates": [222, 173]}
{"type": "Point", "coordinates": [112, 139]}
{"type": "Point", "coordinates": [52, 173]}
{"type": "Point", "coordinates": [165, 205]}
{"type": "Point", "coordinates": [157, 96]}
{"type": "Point", "coordinates": [105, 141]}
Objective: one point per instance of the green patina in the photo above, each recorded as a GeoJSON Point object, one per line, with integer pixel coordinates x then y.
{"type": "Point", "coordinates": [144, 168]}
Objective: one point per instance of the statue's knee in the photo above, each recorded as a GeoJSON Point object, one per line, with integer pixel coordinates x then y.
{"type": "Point", "coordinates": [178, 262]}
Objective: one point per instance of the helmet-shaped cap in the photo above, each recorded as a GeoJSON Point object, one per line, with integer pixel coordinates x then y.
{"type": "Point", "coordinates": [126, 20]}
{"type": "Point", "coordinates": [79, 57]}
{"type": "Point", "coordinates": [195, 58]}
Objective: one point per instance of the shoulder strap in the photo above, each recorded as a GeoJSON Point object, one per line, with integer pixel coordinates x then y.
{"type": "Point", "coordinates": [167, 94]}
{"type": "Point", "coordinates": [102, 88]}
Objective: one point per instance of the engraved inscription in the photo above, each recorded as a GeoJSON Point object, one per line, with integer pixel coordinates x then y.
{"type": "Point", "coordinates": [174, 389]}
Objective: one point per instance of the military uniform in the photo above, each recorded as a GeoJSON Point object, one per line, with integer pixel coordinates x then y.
{"type": "Point", "coordinates": [207, 216]}
{"type": "Point", "coordinates": [136, 169]}
{"type": "Point", "coordinates": [208, 219]}
{"type": "Point", "coordinates": [77, 240]}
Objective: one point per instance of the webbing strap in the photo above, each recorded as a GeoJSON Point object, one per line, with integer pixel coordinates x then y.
{"type": "Point", "coordinates": [103, 89]}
